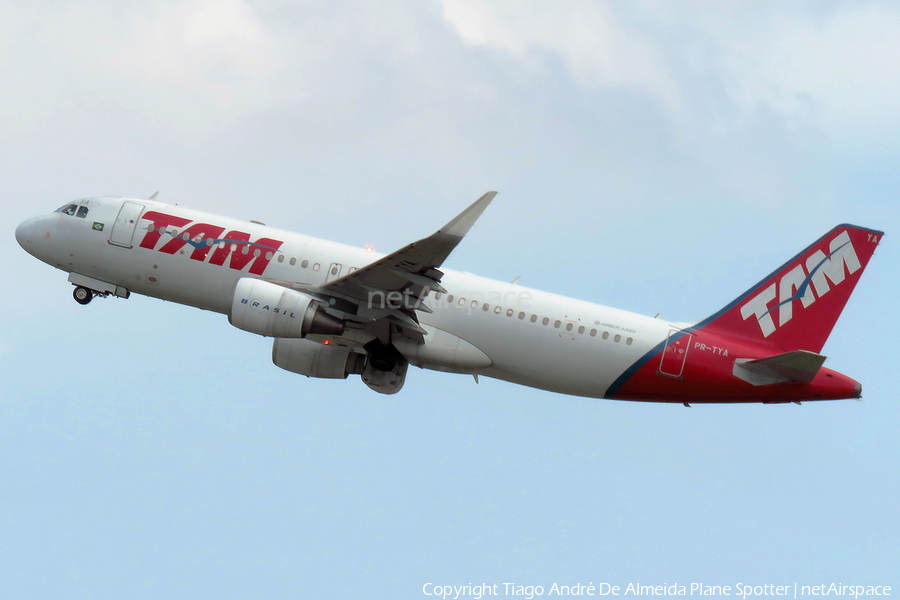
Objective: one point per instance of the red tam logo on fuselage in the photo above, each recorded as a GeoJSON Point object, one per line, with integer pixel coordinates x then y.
{"type": "Point", "coordinates": [795, 284]}
{"type": "Point", "coordinates": [205, 239]}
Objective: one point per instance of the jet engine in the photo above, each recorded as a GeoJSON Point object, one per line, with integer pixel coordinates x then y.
{"type": "Point", "coordinates": [275, 311]}
{"type": "Point", "coordinates": [316, 360]}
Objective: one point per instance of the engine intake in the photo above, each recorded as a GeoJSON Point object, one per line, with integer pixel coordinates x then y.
{"type": "Point", "coordinates": [275, 311]}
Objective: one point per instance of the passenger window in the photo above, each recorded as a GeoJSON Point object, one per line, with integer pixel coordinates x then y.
{"type": "Point", "coordinates": [316, 267]}
{"type": "Point", "coordinates": [293, 261]}
{"type": "Point", "coordinates": [486, 307]}
{"type": "Point", "coordinates": [557, 324]}
{"type": "Point", "coordinates": [533, 318]}
{"type": "Point", "coordinates": [281, 258]}
{"type": "Point", "coordinates": [462, 301]}
{"type": "Point", "coordinates": [581, 329]}
{"type": "Point", "coordinates": [304, 264]}
{"type": "Point", "coordinates": [521, 315]}
{"type": "Point", "coordinates": [450, 299]}
{"type": "Point", "coordinates": [617, 338]}
{"type": "Point", "coordinates": [509, 312]}
{"type": "Point", "coordinates": [605, 335]}
{"type": "Point", "coordinates": [628, 341]}
{"type": "Point", "coordinates": [82, 212]}
{"type": "Point", "coordinates": [569, 327]}
{"type": "Point", "coordinates": [593, 332]}
{"type": "Point", "coordinates": [545, 320]}
{"type": "Point", "coordinates": [474, 304]}
{"type": "Point", "coordinates": [437, 295]}
{"type": "Point", "coordinates": [497, 310]}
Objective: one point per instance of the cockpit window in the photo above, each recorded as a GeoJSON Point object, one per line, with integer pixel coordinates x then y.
{"type": "Point", "coordinates": [68, 209]}
{"type": "Point", "coordinates": [82, 212]}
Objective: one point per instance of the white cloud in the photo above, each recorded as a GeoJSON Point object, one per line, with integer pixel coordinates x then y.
{"type": "Point", "coordinates": [597, 46]}
{"type": "Point", "coordinates": [830, 66]}
{"type": "Point", "coordinates": [644, 100]}
{"type": "Point", "coordinates": [186, 65]}
{"type": "Point", "coordinates": [191, 41]}
{"type": "Point", "coordinates": [196, 65]}
{"type": "Point", "coordinates": [841, 70]}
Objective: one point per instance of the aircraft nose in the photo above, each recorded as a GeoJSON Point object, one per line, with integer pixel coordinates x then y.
{"type": "Point", "coordinates": [25, 233]}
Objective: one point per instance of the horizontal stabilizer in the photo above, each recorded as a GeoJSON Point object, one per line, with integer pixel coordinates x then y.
{"type": "Point", "coordinates": [798, 366]}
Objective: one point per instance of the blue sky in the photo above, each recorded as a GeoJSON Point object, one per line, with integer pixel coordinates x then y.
{"type": "Point", "coordinates": [648, 157]}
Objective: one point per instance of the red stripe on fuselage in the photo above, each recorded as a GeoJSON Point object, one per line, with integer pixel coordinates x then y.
{"type": "Point", "coordinates": [708, 376]}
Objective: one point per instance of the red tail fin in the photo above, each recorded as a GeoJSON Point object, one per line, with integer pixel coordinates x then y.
{"type": "Point", "coordinates": [796, 307]}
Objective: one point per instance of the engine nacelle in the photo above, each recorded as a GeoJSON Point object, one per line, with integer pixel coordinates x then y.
{"type": "Point", "coordinates": [275, 311]}
{"type": "Point", "coordinates": [316, 360]}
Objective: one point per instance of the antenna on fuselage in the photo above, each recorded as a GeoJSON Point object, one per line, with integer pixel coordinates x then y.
{"type": "Point", "coordinates": [153, 197]}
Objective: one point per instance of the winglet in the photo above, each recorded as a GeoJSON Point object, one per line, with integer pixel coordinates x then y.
{"type": "Point", "coordinates": [464, 220]}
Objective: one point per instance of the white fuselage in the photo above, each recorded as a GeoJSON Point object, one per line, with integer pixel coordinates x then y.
{"type": "Point", "coordinates": [533, 338]}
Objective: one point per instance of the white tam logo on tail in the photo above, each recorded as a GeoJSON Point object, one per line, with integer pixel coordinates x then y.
{"type": "Point", "coordinates": [795, 284]}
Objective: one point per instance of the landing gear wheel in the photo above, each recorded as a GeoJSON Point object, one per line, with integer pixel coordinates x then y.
{"type": "Point", "coordinates": [82, 295]}
{"type": "Point", "coordinates": [382, 357]}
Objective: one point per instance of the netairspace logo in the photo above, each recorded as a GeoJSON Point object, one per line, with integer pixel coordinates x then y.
{"type": "Point", "coordinates": [739, 590]}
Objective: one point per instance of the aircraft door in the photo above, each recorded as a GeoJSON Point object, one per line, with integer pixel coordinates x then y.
{"type": "Point", "coordinates": [334, 271]}
{"type": "Point", "coordinates": [123, 229]}
{"type": "Point", "coordinates": [677, 345]}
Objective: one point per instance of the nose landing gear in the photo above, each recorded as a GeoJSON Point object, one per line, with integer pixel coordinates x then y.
{"type": "Point", "coordinates": [82, 295]}
{"type": "Point", "coordinates": [88, 288]}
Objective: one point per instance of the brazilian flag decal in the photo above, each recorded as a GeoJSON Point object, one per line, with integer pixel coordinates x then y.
{"type": "Point", "coordinates": [98, 226]}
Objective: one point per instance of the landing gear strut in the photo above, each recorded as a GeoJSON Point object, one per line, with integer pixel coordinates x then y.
{"type": "Point", "coordinates": [82, 295]}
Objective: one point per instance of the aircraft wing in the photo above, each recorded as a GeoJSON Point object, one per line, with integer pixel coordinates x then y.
{"type": "Point", "coordinates": [393, 286]}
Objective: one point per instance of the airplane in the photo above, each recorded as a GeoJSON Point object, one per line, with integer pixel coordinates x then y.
{"type": "Point", "coordinates": [334, 310]}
